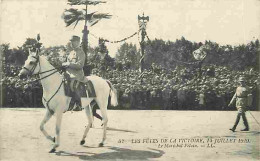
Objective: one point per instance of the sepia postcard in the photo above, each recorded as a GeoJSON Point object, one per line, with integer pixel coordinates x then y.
{"type": "Point", "coordinates": [159, 80]}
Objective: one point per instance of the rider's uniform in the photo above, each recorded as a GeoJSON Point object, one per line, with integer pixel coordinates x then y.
{"type": "Point", "coordinates": [76, 59]}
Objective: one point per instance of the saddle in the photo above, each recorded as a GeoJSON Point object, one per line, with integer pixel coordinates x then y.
{"type": "Point", "coordinates": [81, 89]}
{"type": "Point", "coordinates": [76, 90]}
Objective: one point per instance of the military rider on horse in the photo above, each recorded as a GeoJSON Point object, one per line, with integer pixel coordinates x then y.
{"type": "Point", "coordinates": [74, 69]}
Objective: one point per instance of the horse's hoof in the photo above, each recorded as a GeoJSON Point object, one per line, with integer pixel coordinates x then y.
{"type": "Point", "coordinates": [52, 150]}
{"type": "Point", "coordinates": [82, 142]}
{"type": "Point", "coordinates": [53, 139]}
{"type": "Point", "coordinates": [101, 144]}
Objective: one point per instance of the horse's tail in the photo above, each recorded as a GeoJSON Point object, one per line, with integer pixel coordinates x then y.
{"type": "Point", "coordinates": [113, 94]}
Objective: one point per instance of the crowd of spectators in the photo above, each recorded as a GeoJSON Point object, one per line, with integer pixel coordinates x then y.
{"type": "Point", "coordinates": [17, 92]}
{"type": "Point", "coordinates": [179, 89]}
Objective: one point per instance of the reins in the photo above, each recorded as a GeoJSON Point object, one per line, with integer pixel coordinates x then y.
{"type": "Point", "coordinates": [54, 71]}
{"type": "Point", "coordinates": [48, 101]}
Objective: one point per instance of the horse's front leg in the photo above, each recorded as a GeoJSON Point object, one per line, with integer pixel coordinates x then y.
{"type": "Point", "coordinates": [89, 114]}
{"type": "Point", "coordinates": [58, 127]}
{"type": "Point", "coordinates": [44, 121]}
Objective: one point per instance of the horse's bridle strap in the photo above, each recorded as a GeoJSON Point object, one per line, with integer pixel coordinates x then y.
{"type": "Point", "coordinates": [27, 69]}
{"type": "Point", "coordinates": [32, 70]}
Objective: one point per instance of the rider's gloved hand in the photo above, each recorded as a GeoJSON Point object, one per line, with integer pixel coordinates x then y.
{"type": "Point", "coordinates": [65, 65]}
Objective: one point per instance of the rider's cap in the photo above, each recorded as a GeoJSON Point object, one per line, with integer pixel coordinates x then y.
{"type": "Point", "coordinates": [75, 38]}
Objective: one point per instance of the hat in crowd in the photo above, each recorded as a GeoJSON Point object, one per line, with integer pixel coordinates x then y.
{"type": "Point", "coordinates": [241, 79]}
{"type": "Point", "coordinates": [75, 38]}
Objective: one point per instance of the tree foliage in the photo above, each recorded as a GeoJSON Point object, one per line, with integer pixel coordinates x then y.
{"type": "Point", "coordinates": [128, 55]}
{"type": "Point", "coordinates": [170, 54]}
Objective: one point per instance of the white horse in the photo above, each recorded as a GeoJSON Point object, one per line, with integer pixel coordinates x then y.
{"type": "Point", "coordinates": [57, 103]}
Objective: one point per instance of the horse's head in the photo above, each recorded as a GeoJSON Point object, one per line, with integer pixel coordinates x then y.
{"type": "Point", "coordinates": [31, 65]}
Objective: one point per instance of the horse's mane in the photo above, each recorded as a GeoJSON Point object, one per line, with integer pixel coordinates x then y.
{"type": "Point", "coordinates": [44, 57]}
{"type": "Point", "coordinates": [46, 61]}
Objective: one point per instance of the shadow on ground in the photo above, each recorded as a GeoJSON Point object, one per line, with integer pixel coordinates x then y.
{"type": "Point", "coordinates": [248, 132]}
{"type": "Point", "coordinates": [115, 129]}
{"type": "Point", "coordinates": [117, 153]}
{"type": "Point", "coordinates": [235, 134]}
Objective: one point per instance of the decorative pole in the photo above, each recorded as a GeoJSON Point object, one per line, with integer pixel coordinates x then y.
{"type": "Point", "coordinates": [85, 35]}
{"type": "Point", "coordinates": [2, 64]}
{"type": "Point", "coordinates": [142, 21]}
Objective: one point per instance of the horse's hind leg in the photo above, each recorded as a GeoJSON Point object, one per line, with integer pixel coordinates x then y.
{"type": "Point", "coordinates": [44, 121]}
{"type": "Point", "coordinates": [103, 108]}
{"type": "Point", "coordinates": [88, 110]}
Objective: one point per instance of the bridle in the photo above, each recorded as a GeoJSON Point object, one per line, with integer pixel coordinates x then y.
{"type": "Point", "coordinates": [34, 66]}
{"type": "Point", "coordinates": [37, 62]}
{"type": "Point", "coordinates": [31, 71]}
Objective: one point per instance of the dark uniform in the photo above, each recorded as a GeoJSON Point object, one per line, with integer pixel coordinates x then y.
{"type": "Point", "coordinates": [242, 99]}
